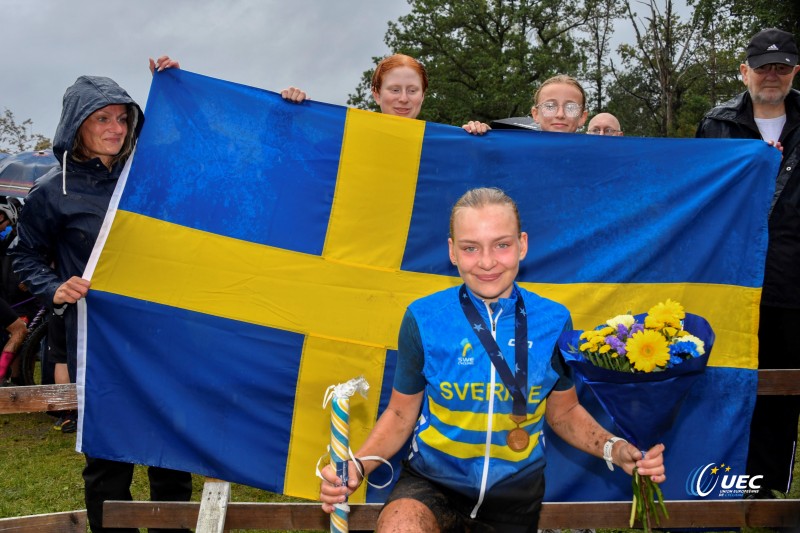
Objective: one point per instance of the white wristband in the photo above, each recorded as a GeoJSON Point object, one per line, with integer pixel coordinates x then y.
{"type": "Point", "coordinates": [608, 447]}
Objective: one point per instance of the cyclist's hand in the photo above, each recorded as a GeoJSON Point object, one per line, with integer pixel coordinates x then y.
{"type": "Point", "coordinates": [332, 491]}
{"type": "Point", "coordinates": [71, 291]}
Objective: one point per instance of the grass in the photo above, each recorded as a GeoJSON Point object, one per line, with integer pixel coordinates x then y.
{"type": "Point", "coordinates": [42, 472]}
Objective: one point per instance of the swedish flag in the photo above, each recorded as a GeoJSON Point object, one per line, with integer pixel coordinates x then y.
{"type": "Point", "coordinates": [258, 251]}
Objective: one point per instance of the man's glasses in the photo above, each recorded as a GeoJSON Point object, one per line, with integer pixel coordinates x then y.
{"type": "Point", "coordinates": [549, 109]}
{"type": "Point", "coordinates": [779, 68]}
{"type": "Point", "coordinates": [603, 131]}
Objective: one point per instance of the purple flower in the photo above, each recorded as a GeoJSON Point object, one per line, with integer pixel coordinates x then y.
{"type": "Point", "coordinates": [637, 328]}
{"type": "Point", "coordinates": [616, 344]}
{"type": "Point", "coordinates": [622, 331]}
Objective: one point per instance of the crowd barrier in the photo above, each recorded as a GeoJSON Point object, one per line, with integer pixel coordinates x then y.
{"type": "Point", "coordinates": [215, 513]}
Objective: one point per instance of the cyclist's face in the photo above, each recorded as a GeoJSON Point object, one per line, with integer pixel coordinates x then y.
{"type": "Point", "coordinates": [487, 247]}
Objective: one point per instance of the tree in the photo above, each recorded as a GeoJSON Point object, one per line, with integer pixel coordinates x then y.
{"type": "Point", "coordinates": [484, 57]}
{"type": "Point", "coordinates": [659, 69]}
{"type": "Point", "coordinates": [15, 137]}
{"type": "Point", "coordinates": [599, 29]}
{"type": "Point", "coordinates": [720, 51]}
{"type": "Point", "coordinates": [742, 19]}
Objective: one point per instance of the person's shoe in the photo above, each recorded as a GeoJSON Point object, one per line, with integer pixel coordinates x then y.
{"type": "Point", "coordinates": [66, 424]}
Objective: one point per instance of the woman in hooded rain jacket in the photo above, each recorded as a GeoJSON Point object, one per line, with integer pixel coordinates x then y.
{"type": "Point", "coordinates": [57, 231]}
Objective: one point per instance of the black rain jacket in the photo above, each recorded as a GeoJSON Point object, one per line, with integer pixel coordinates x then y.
{"type": "Point", "coordinates": [734, 120]}
{"type": "Point", "coordinates": [65, 208]}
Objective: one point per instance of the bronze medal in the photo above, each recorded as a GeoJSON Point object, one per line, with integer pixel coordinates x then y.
{"type": "Point", "coordinates": [518, 439]}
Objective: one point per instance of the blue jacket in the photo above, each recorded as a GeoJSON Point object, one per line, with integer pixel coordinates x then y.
{"type": "Point", "coordinates": [460, 438]}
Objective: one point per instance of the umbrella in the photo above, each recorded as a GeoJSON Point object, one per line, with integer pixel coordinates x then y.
{"type": "Point", "coordinates": [524, 123]}
{"type": "Point", "coordinates": [19, 171]}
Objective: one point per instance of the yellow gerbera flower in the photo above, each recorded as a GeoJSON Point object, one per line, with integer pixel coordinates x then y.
{"type": "Point", "coordinates": [647, 350]}
{"type": "Point", "coordinates": [667, 313]}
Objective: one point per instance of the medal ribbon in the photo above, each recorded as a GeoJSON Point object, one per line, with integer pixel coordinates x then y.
{"type": "Point", "coordinates": [517, 382]}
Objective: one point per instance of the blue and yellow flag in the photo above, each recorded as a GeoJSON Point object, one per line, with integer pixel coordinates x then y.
{"type": "Point", "coordinates": [259, 251]}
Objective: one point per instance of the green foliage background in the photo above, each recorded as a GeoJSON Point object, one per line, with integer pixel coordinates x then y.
{"type": "Point", "coordinates": [485, 58]}
{"type": "Point", "coordinates": [42, 472]}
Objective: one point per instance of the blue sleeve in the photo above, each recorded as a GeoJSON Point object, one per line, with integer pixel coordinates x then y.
{"type": "Point", "coordinates": [565, 377]}
{"type": "Point", "coordinates": [408, 376]}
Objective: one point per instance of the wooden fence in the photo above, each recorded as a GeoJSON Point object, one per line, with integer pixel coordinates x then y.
{"type": "Point", "coordinates": [215, 513]}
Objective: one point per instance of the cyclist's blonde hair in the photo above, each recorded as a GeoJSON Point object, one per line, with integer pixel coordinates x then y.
{"type": "Point", "coordinates": [481, 197]}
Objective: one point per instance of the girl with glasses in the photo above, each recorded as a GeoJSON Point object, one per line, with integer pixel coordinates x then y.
{"type": "Point", "coordinates": [560, 105]}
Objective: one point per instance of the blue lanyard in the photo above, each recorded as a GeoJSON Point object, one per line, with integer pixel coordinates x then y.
{"type": "Point", "coordinates": [517, 382]}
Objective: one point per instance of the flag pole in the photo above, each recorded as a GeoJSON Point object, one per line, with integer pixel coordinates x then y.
{"type": "Point", "coordinates": [339, 397]}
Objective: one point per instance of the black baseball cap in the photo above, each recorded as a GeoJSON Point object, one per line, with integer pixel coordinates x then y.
{"type": "Point", "coordinates": [771, 46]}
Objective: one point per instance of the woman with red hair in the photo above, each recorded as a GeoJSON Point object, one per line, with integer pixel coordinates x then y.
{"type": "Point", "coordinates": [398, 87]}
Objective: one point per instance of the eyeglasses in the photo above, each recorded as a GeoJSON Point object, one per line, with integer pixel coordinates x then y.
{"type": "Point", "coordinates": [603, 131]}
{"type": "Point", "coordinates": [779, 68]}
{"type": "Point", "coordinates": [549, 109]}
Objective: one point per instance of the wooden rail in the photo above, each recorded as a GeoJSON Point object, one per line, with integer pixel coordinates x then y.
{"type": "Point", "coordinates": [68, 522]}
{"type": "Point", "coordinates": [606, 515]}
{"type": "Point", "coordinates": [778, 382]}
{"type": "Point", "coordinates": [39, 398]}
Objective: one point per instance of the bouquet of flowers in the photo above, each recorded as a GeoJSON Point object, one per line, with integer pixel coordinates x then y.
{"type": "Point", "coordinates": [640, 368]}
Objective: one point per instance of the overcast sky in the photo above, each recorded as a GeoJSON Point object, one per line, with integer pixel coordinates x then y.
{"type": "Point", "coordinates": [322, 46]}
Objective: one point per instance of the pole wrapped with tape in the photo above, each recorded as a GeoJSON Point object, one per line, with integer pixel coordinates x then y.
{"type": "Point", "coordinates": [339, 398]}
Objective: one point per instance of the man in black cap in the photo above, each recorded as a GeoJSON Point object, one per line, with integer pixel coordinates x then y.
{"type": "Point", "coordinates": [770, 110]}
